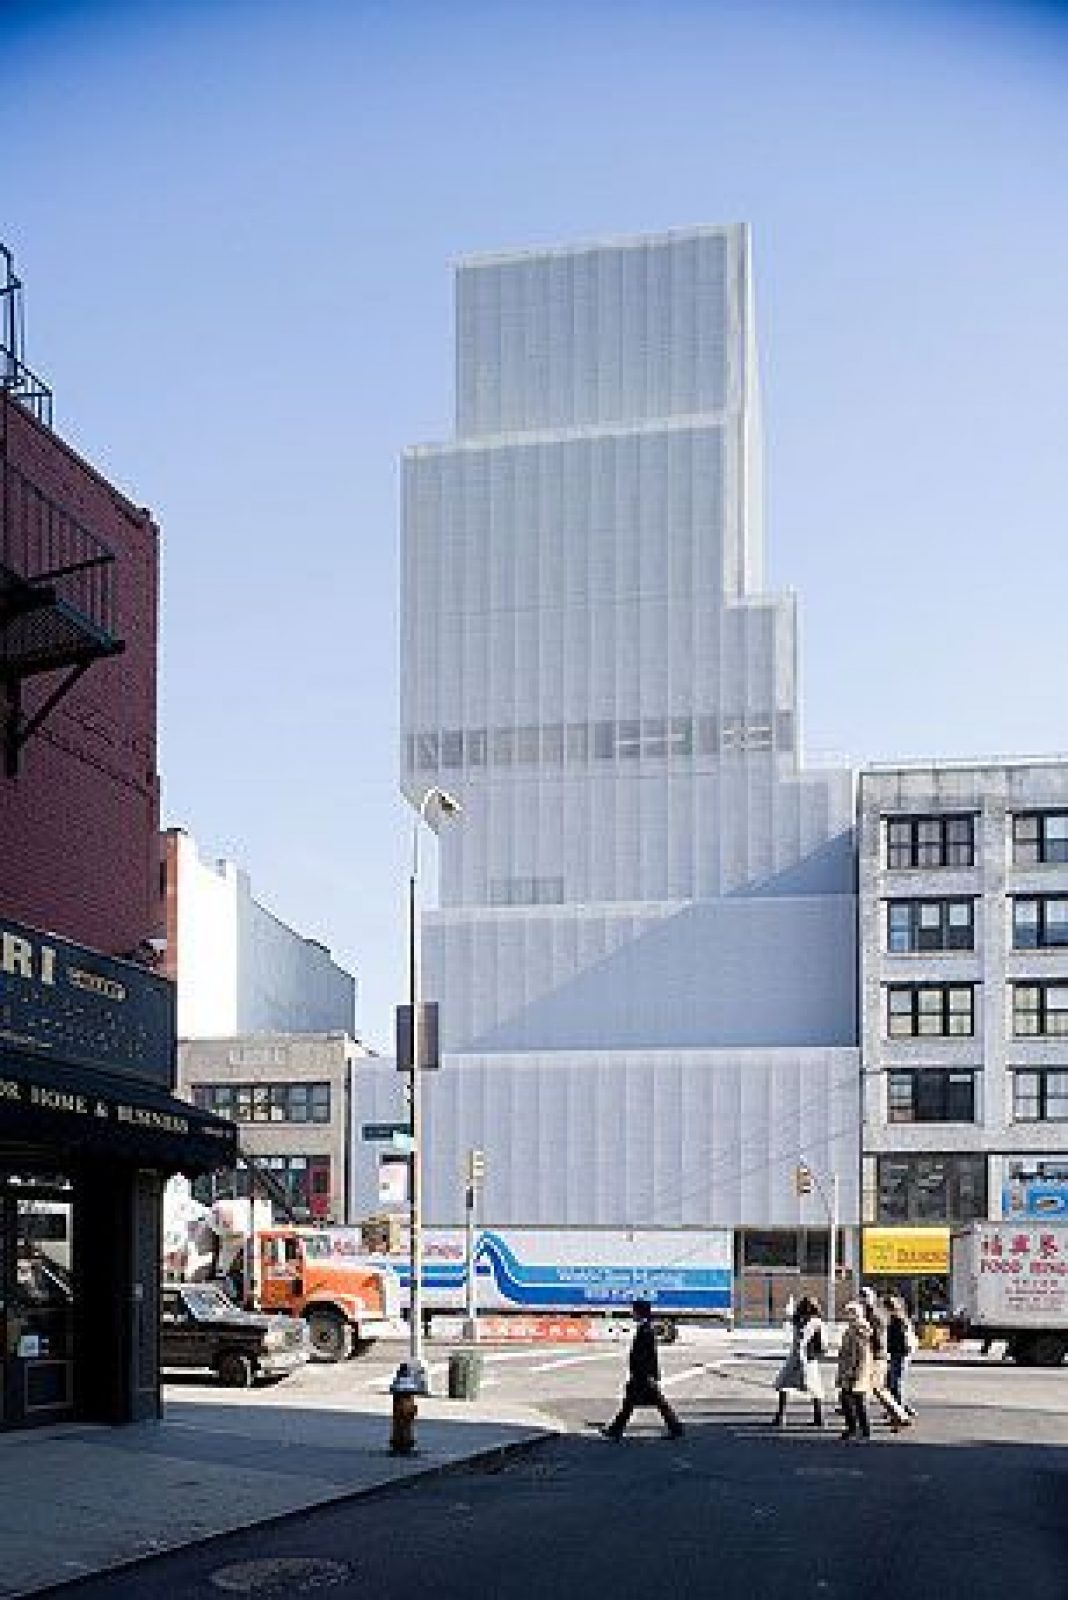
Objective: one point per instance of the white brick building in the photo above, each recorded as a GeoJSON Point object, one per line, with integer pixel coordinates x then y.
{"type": "Point", "coordinates": [963, 883]}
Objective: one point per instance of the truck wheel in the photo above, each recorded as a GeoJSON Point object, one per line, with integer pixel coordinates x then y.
{"type": "Point", "coordinates": [331, 1337]}
{"type": "Point", "coordinates": [234, 1369]}
{"type": "Point", "coordinates": [666, 1330]}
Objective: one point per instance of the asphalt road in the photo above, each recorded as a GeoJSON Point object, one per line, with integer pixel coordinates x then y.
{"type": "Point", "coordinates": [972, 1501]}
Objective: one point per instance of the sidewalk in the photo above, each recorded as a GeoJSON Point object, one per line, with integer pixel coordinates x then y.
{"type": "Point", "coordinates": [77, 1500]}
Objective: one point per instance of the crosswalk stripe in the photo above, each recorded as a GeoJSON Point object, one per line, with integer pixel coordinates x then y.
{"type": "Point", "coordinates": [575, 1360]}
{"type": "Point", "coordinates": [680, 1377]}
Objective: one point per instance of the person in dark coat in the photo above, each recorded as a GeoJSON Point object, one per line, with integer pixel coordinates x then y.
{"type": "Point", "coordinates": [643, 1385]}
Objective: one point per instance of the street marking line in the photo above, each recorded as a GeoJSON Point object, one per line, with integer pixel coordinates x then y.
{"type": "Point", "coordinates": [575, 1360]}
{"type": "Point", "coordinates": [680, 1377]}
{"type": "Point", "coordinates": [511, 1355]}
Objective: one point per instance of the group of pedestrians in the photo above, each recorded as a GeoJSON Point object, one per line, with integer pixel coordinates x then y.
{"type": "Point", "coordinates": [877, 1344]}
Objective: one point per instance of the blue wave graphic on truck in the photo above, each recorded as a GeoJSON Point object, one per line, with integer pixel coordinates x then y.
{"type": "Point", "coordinates": [596, 1286]}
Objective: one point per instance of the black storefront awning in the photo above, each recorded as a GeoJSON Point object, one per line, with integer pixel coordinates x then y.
{"type": "Point", "coordinates": [87, 1059]}
{"type": "Point", "coordinates": [79, 1111]}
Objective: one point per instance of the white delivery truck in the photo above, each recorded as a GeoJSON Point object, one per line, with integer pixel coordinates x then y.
{"type": "Point", "coordinates": [572, 1272]}
{"type": "Point", "coordinates": [1009, 1280]}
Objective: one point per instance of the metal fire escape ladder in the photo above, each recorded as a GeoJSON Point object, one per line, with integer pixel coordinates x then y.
{"type": "Point", "coordinates": [57, 598]}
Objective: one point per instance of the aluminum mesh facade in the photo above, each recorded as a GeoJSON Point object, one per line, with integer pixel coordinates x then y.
{"type": "Point", "coordinates": [587, 661]}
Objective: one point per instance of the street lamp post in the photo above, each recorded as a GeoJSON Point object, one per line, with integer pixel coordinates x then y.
{"type": "Point", "coordinates": [446, 806]}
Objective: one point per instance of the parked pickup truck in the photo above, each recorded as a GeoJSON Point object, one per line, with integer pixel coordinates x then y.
{"type": "Point", "coordinates": [200, 1327]}
{"type": "Point", "coordinates": [1009, 1280]}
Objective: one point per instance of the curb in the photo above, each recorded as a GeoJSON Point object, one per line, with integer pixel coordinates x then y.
{"type": "Point", "coordinates": [488, 1460]}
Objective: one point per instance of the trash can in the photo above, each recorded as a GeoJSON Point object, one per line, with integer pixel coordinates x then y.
{"type": "Point", "coordinates": [465, 1375]}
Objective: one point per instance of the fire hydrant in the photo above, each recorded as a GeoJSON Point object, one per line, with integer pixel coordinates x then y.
{"type": "Point", "coordinates": [404, 1388]}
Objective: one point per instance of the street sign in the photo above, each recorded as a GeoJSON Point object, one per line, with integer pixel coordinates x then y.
{"type": "Point", "coordinates": [383, 1132]}
{"type": "Point", "coordinates": [429, 1051]}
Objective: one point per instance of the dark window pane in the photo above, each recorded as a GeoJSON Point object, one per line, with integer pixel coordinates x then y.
{"type": "Point", "coordinates": [961, 926]}
{"type": "Point", "coordinates": [960, 1097]}
{"type": "Point", "coordinates": [770, 1249]}
{"type": "Point", "coordinates": [1025, 924]}
{"type": "Point", "coordinates": [1055, 837]}
{"type": "Point", "coordinates": [604, 740]}
{"type": "Point", "coordinates": [899, 927]}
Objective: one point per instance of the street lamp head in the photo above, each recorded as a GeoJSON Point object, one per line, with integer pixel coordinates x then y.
{"type": "Point", "coordinates": [447, 804]}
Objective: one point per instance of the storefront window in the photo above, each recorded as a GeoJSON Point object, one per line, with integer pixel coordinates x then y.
{"type": "Point", "coordinates": [932, 1188]}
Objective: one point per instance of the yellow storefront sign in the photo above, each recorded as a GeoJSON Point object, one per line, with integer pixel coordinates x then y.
{"type": "Point", "coordinates": [905, 1252]}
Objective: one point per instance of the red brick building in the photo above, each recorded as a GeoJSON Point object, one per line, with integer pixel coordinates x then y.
{"type": "Point", "coordinates": [89, 1126]}
{"type": "Point", "coordinates": [79, 818]}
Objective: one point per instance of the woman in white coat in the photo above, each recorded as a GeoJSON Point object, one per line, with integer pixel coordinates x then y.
{"type": "Point", "coordinates": [800, 1372]}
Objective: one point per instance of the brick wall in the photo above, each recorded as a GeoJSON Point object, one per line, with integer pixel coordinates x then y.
{"type": "Point", "coordinates": [79, 824]}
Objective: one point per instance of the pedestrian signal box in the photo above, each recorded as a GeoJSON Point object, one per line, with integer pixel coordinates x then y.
{"type": "Point", "coordinates": [476, 1166]}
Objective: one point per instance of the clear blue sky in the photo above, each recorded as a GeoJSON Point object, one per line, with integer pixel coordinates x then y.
{"type": "Point", "coordinates": [236, 219]}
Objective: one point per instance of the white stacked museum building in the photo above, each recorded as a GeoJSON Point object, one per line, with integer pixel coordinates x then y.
{"type": "Point", "coordinates": [644, 950]}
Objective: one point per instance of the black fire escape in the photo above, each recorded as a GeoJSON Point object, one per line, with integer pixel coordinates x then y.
{"type": "Point", "coordinates": [57, 588]}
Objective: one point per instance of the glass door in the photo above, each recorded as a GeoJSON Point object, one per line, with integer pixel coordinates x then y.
{"type": "Point", "coordinates": [38, 1334]}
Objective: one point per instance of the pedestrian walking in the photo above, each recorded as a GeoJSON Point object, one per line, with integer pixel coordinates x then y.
{"type": "Point", "coordinates": [875, 1317]}
{"type": "Point", "coordinates": [855, 1372]}
{"type": "Point", "coordinates": [643, 1384]}
{"type": "Point", "coordinates": [901, 1344]}
{"type": "Point", "coordinates": [800, 1372]}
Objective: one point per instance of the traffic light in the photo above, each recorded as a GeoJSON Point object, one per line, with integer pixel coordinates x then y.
{"type": "Point", "coordinates": [803, 1179]}
{"type": "Point", "coordinates": [476, 1167]}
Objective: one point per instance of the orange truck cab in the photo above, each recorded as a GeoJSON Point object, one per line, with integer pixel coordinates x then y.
{"type": "Point", "coordinates": [347, 1302]}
